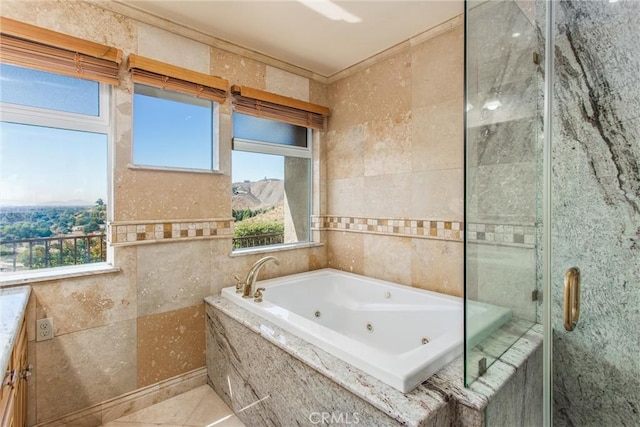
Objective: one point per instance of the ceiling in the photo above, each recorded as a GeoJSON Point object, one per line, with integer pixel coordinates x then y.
{"type": "Point", "coordinates": [293, 32]}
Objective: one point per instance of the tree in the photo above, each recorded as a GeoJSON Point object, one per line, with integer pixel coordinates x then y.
{"type": "Point", "coordinates": [257, 228]}
{"type": "Point", "coordinates": [91, 227]}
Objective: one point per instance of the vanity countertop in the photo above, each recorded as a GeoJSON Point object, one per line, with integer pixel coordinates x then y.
{"type": "Point", "coordinates": [13, 305]}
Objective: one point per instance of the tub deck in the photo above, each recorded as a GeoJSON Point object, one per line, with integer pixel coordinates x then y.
{"type": "Point", "coordinates": [397, 334]}
{"type": "Point", "coordinates": [422, 406]}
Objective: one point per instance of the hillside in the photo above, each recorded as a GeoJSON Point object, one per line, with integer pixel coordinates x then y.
{"type": "Point", "coordinates": [262, 194]}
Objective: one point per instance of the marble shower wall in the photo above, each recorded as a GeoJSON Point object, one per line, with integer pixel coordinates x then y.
{"type": "Point", "coordinates": [596, 210]}
{"type": "Point", "coordinates": [394, 170]}
{"type": "Point", "coordinates": [106, 326]}
{"type": "Point", "coordinates": [503, 154]}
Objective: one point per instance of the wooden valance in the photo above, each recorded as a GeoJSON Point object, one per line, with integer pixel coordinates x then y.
{"type": "Point", "coordinates": [263, 104]}
{"type": "Point", "coordinates": [29, 46]}
{"type": "Point", "coordinates": [165, 76]}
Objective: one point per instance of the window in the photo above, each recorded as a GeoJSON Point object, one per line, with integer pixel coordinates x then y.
{"type": "Point", "coordinates": [174, 115]}
{"type": "Point", "coordinates": [53, 167]}
{"type": "Point", "coordinates": [172, 129]}
{"type": "Point", "coordinates": [271, 163]}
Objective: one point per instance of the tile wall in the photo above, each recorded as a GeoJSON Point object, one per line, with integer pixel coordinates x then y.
{"type": "Point", "coordinates": [394, 168]}
{"type": "Point", "coordinates": [387, 202]}
{"type": "Point", "coordinates": [170, 231]}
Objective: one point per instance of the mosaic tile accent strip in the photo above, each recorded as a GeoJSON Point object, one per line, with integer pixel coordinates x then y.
{"type": "Point", "coordinates": [502, 234]}
{"type": "Point", "coordinates": [127, 233]}
{"type": "Point", "coordinates": [499, 234]}
{"type": "Point", "coordinates": [427, 229]}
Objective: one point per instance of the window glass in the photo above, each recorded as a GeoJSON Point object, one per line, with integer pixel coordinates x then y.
{"type": "Point", "coordinates": [270, 193]}
{"type": "Point", "coordinates": [172, 129]}
{"type": "Point", "coordinates": [265, 130]}
{"type": "Point", "coordinates": [33, 88]}
{"type": "Point", "coordinates": [45, 166]}
{"type": "Point", "coordinates": [53, 171]}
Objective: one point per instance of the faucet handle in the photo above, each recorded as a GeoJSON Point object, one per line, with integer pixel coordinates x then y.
{"type": "Point", "coordinates": [239, 284]}
{"type": "Point", "coordinates": [257, 296]}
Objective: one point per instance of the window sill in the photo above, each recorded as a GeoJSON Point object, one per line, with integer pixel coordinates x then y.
{"type": "Point", "coordinates": [47, 274]}
{"type": "Point", "coordinates": [275, 248]}
{"type": "Point", "coordinates": [172, 169]}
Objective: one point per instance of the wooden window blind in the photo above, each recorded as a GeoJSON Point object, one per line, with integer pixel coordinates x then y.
{"type": "Point", "coordinates": [29, 46]}
{"type": "Point", "coordinates": [267, 105]}
{"type": "Point", "coordinates": [165, 76]}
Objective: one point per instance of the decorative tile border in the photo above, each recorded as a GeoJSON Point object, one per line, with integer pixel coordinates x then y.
{"type": "Point", "coordinates": [133, 232]}
{"type": "Point", "coordinates": [503, 234]}
{"type": "Point", "coordinates": [523, 235]}
{"type": "Point", "coordinates": [420, 228]}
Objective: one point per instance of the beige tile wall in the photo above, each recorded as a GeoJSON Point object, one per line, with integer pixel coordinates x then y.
{"type": "Point", "coordinates": [394, 150]}
{"type": "Point", "coordinates": [170, 344]}
{"type": "Point", "coordinates": [119, 332]}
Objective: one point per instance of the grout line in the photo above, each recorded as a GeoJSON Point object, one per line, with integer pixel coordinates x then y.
{"type": "Point", "coordinates": [204, 395]}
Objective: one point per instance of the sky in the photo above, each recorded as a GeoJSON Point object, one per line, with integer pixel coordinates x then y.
{"type": "Point", "coordinates": [177, 133]}
{"type": "Point", "coordinates": [171, 132]}
{"type": "Point", "coordinates": [50, 166]}
{"type": "Point", "coordinates": [254, 167]}
{"type": "Point", "coordinates": [44, 166]}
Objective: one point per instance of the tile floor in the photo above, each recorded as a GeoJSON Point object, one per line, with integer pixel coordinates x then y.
{"type": "Point", "coordinates": [200, 407]}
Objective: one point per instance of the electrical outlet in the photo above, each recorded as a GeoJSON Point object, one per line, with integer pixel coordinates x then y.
{"type": "Point", "coordinates": [44, 329]}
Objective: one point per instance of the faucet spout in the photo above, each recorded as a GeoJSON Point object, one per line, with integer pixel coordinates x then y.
{"type": "Point", "coordinates": [252, 276]}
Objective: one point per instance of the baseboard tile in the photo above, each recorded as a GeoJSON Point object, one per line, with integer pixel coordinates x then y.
{"type": "Point", "coordinates": [112, 409]}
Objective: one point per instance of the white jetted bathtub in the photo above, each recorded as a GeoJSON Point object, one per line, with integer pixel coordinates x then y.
{"type": "Point", "coordinates": [397, 334]}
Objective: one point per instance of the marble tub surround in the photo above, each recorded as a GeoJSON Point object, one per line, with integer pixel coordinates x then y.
{"type": "Point", "coordinates": [519, 402]}
{"type": "Point", "coordinates": [495, 345]}
{"type": "Point", "coordinates": [232, 352]}
{"type": "Point", "coordinates": [13, 308]}
{"type": "Point", "coordinates": [233, 334]}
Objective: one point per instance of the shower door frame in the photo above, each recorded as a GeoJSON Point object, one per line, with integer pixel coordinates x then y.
{"type": "Point", "coordinates": [547, 324]}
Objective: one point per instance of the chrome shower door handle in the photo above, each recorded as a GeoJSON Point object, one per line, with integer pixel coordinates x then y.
{"type": "Point", "coordinates": [571, 298]}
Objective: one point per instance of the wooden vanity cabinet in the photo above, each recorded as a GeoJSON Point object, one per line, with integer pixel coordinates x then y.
{"type": "Point", "coordinates": [13, 394]}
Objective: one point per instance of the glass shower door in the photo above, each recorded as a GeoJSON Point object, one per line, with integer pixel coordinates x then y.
{"type": "Point", "coordinates": [503, 154]}
{"type": "Point", "coordinates": [594, 209]}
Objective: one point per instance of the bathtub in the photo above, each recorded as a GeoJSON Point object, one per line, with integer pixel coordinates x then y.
{"type": "Point", "coordinates": [397, 334]}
